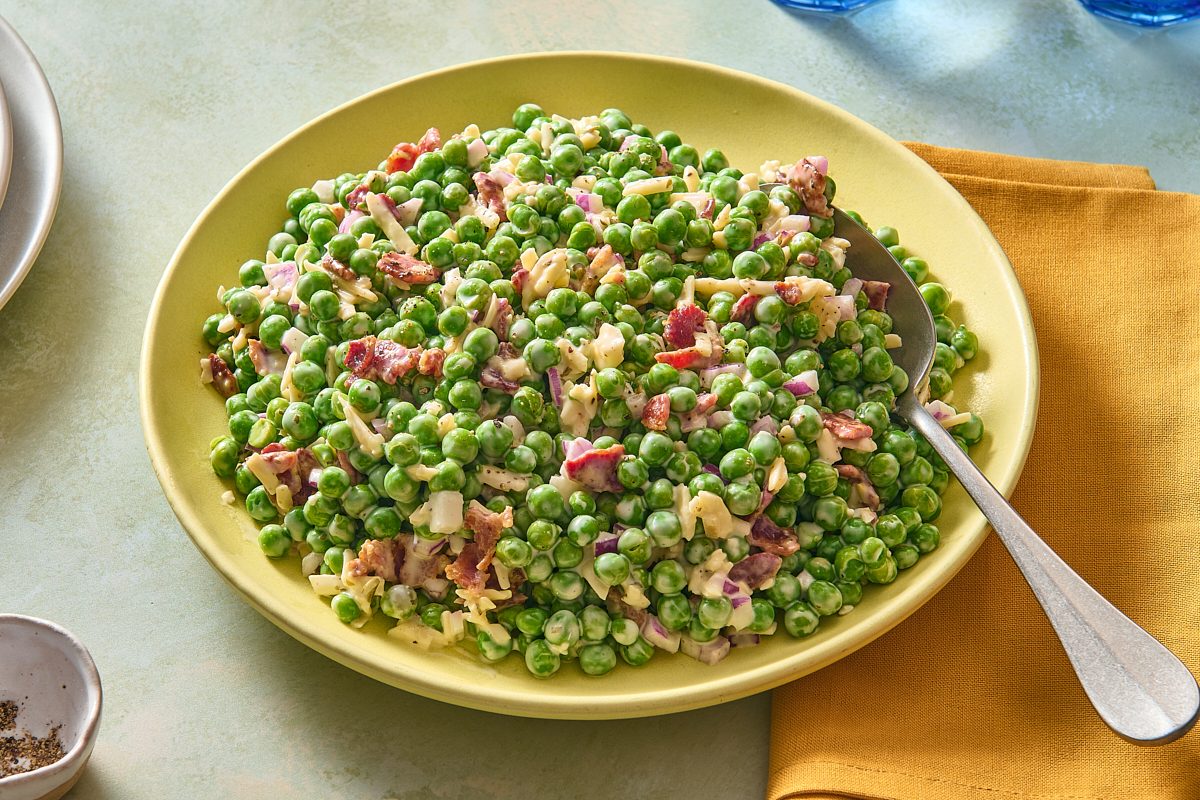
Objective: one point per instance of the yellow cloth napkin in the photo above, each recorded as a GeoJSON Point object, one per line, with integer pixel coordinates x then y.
{"type": "Point", "coordinates": [972, 697]}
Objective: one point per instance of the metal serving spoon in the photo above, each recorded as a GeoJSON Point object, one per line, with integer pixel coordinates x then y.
{"type": "Point", "coordinates": [1140, 689]}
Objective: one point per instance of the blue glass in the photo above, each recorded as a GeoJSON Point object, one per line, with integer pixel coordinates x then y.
{"type": "Point", "coordinates": [826, 5]}
{"type": "Point", "coordinates": [1147, 13]}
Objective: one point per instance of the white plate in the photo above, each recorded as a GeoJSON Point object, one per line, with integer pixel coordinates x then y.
{"type": "Point", "coordinates": [6, 150]}
{"type": "Point", "coordinates": [36, 174]}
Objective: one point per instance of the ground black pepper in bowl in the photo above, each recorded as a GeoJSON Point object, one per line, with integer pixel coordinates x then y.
{"type": "Point", "coordinates": [24, 752]}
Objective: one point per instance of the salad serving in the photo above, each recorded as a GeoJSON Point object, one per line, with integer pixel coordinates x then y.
{"type": "Point", "coordinates": [577, 390]}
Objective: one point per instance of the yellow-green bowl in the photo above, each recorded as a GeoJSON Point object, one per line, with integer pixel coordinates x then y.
{"type": "Point", "coordinates": [751, 119]}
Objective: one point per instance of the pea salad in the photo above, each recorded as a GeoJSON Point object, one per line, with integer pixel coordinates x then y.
{"type": "Point", "coordinates": [575, 390]}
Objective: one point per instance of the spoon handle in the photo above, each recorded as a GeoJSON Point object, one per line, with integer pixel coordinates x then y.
{"type": "Point", "coordinates": [1139, 688]}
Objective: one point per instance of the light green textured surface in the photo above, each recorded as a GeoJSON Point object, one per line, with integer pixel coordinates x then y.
{"type": "Point", "coordinates": [161, 106]}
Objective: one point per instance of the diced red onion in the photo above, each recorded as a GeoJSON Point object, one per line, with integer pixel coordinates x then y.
{"type": "Point", "coordinates": [715, 585]}
{"type": "Point", "coordinates": [477, 151]}
{"type": "Point", "coordinates": [379, 424]}
{"type": "Point", "coordinates": [804, 384]}
{"type": "Point", "coordinates": [426, 548]}
{"type": "Point", "coordinates": [719, 419]}
{"type": "Point", "coordinates": [314, 475]}
{"type": "Point", "coordinates": [709, 374]}
{"type": "Point", "coordinates": [760, 240]}
{"type": "Point", "coordinates": [281, 276]}
{"type": "Point", "coordinates": [795, 223]}
{"type": "Point", "coordinates": [851, 287]}
{"type": "Point", "coordinates": [501, 177]}
{"type": "Point", "coordinates": [576, 448]}
{"type": "Point", "coordinates": [767, 424]}
{"type": "Point", "coordinates": [350, 219]}
{"type": "Point", "coordinates": [844, 306]}
{"type": "Point", "coordinates": [293, 339]}
{"type": "Point", "coordinates": [820, 162]}
{"type": "Point", "coordinates": [556, 389]}
{"type": "Point", "coordinates": [656, 634]}
{"type": "Point", "coordinates": [636, 401]}
{"type": "Point", "coordinates": [606, 543]}
{"type": "Point", "coordinates": [692, 421]}
{"type": "Point", "coordinates": [713, 470]}
{"type": "Point", "coordinates": [707, 211]}
{"type": "Point", "coordinates": [706, 652]}
{"type": "Point", "coordinates": [940, 410]}
{"type": "Point", "coordinates": [436, 588]}
{"type": "Point", "coordinates": [408, 211]}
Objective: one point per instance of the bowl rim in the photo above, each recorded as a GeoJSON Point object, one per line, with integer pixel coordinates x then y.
{"type": "Point", "coordinates": [65, 768]}
{"type": "Point", "coordinates": [630, 704]}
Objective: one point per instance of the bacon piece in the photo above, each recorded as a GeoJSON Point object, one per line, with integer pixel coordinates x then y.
{"type": "Point", "coordinates": [877, 293]}
{"type": "Point", "coordinates": [809, 183]}
{"type": "Point", "coordinates": [431, 362]}
{"type": "Point", "coordinates": [682, 326]}
{"type": "Point", "coordinates": [335, 267]}
{"type": "Point", "coordinates": [845, 428]}
{"type": "Point", "coordinates": [864, 487]}
{"type": "Point", "coordinates": [519, 278]}
{"type": "Point", "coordinates": [851, 473]}
{"type": "Point", "coordinates": [487, 525]}
{"type": "Point", "coordinates": [258, 356]}
{"type": "Point", "coordinates": [807, 259]}
{"type": "Point", "coordinates": [465, 570]}
{"type": "Point", "coordinates": [504, 317]}
{"type": "Point", "coordinates": [596, 469]}
{"type": "Point", "coordinates": [508, 350]}
{"type": "Point", "coordinates": [344, 462]}
{"type": "Point", "coordinates": [516, 577]}
{"type": "Point", "coordinates": [492, 379]}
{"type": "Point", "coordinates": [664, 166]}
{"type": "Point", "coordinates": [381, 359]}
{"type": "Point", "coordinates": [404, 155]}
{"type": "Point", "coordinates": [393, 361]}
{"type": "Point", "coordinates": [222, 376]}
{"type": "Point", "coordinates": [618, 606]}
{"type": "Point", "coordinates": [656, 412]}
{"type": "Point", "coordinates": [284, 464]}
{"type": "Point", "coordinates": [789, 293]}
{"type": "Point", "coordinates": [381, 557]}
{"type": "Point", "coordinates": [417, 569]}
{"type": "Point", "coordinates": [360, 354]}
{"type": "Point", "coordinates": [743, 309]}
{"type": "Point", "coordinates": [768, 536]}
{"type": "Point", "coordinates": [306, 462]}
{"type": "Point", "coordinates": [697, 417]}
{"type": "Point", "coordinates": [705, 403]}
{"type": "Point", "coordinates": [279, 461]}
{"type": "Point", "coordinates": [756, 569]}
{"type": "Point", "coordinates": [691, 357]}
{"type": "Point", "coordinates": [407, 269]}
{"type": "Point", "coordinates": [357, 195]}
{"type": "Point", "coordinates": [491, 194]}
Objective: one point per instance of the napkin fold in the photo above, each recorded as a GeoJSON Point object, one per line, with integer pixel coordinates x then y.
{"type": "Point", "coordinates": [972, 698]}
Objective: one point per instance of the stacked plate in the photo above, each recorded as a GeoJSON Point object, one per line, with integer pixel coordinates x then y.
{"type": "Point", "coordinates": [30, 160]}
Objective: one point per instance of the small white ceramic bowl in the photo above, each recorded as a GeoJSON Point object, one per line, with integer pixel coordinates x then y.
{"type": "Point", "coordinates": [53, 680]}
